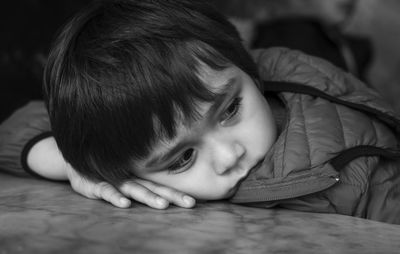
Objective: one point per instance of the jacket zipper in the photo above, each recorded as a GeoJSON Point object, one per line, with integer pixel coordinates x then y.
{"type": "Point", "coordinates": [288, 189]}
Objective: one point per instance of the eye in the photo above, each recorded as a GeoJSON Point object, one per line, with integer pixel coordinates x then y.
{"type": "Point", "coordinates": [183, 162]}
{"type": "Point", "coordinates": [231, 110]}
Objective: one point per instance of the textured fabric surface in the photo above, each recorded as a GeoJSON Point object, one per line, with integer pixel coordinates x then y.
{"type": "Point", "coordinates": [297, 173]}
{"type": "Point", "coordinates": [16, 131]}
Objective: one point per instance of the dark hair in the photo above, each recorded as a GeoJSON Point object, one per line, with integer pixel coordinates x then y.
{"type": "Point", "coordinates": [121, 70]}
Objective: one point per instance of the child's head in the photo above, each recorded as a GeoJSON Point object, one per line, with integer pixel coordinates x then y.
{"type": "Point", "coordinates": [127, 79]}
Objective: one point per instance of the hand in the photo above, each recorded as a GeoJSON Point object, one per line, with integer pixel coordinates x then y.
{"type": "Point", "coordinates": [149, 193]}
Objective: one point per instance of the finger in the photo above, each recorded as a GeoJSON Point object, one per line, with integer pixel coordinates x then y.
{"type": "Point", "coordinates": [143, 195]}
{"type": "Point", "coordinates": [176, 197]}
{"type": "Point", "coordinates": [108, 193]}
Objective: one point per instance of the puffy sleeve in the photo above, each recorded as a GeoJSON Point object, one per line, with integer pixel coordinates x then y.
{"type": "Point", "coordinates": [18, 133]}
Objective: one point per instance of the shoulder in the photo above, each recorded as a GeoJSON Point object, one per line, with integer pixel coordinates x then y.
{"type": "Point", "coordinates": [282, 64]}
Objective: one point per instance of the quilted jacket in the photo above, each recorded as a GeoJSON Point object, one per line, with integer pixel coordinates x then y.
{"type": "Point", "coordinates": [338, 150]}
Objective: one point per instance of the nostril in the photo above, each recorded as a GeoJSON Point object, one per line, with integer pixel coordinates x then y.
{"type": "Point", "coordinates": [240, 150]}
{"type": "Point", "coordinates": [228, 164]}
{"type": "Point", "coordinates": [227, 156]}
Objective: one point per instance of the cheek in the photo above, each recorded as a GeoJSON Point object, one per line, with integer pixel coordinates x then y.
{"type": "Point", "coordinates": [263, 129]}
{"type": "Point", "coordinates": [268, 123]}
{"type": "Point", "coordinates": [202, 183]}
{"type": "Point", "coordinates": [194, 182]}
{"type": "Point", "coordinates": [199, 182]}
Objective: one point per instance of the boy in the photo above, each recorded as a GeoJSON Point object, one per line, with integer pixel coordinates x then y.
{"type": "Point", "coordinates": [164, 91]}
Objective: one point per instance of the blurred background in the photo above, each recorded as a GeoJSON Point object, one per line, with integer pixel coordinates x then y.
{"type": "Point", "coordinates": [360, 36]}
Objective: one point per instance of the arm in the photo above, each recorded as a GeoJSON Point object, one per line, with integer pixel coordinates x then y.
{"type": "Point", "coordinates": [18, 133]}
{"type": "Point", "coordinates": [45, 159]}
{"type": "Point", "coordinates": [26, 143]}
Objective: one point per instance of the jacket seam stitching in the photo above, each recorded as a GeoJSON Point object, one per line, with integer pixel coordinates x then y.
{"type": "Point", "coordinates": [374, 127]}
{"type": "Point", "coordinates": [305, 130]}
{"type": "Point", "coordinates": [285, 143]}
{"type": "Point", "coordinates": [341, 125]}
{"type": "Point", "coordinates": [320, 70]}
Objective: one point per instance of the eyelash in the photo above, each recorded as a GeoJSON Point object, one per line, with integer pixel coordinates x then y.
{"type": "Point", "coordinates": [236, 103]}
{"type": "Point", "coordinates": [182, 164]}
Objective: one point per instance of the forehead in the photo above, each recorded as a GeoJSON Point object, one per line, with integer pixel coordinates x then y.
{"type": "Point", "coordinates": [219, 82]}
{"type": "Point", "coordinates": [216, 79]}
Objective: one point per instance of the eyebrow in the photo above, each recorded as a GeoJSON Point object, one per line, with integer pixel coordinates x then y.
{"type": "Point", "coordinates": [224, 95]}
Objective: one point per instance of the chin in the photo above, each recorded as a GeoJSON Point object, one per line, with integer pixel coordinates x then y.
{"type": "Point", "coordinates": [224, 195]}
{"type": "Point", "coordinates": [230, 192]}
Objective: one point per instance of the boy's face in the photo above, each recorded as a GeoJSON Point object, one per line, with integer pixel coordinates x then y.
{"type": "Point", "coordinates": [208, 158]}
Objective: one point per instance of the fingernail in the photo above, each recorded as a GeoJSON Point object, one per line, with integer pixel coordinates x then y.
{"type": "Point", "coordinates": [188, 200]}
{"type": "Point", "coordinates": [161, 202]}
{"type": "Point", "coordinates": [124, 202]}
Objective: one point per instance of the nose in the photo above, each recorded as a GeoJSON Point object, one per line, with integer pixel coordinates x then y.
{"type": "Point", "coordinates": [226, 155]}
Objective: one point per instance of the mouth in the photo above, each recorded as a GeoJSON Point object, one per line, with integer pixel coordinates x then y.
{"type": "Point", "coordinates": [254, 168]}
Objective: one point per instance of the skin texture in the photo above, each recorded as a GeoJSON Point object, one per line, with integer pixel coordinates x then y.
{"type": "Point", "coordinates": [46, 160]}
{"type": "Point", "coordinates": [226, 147]}
{"type": "Point", "coordinates": [219, 149]}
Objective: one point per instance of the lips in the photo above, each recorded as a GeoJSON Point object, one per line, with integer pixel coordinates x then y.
{"type": "Point", "coordinates": [254, 168]}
